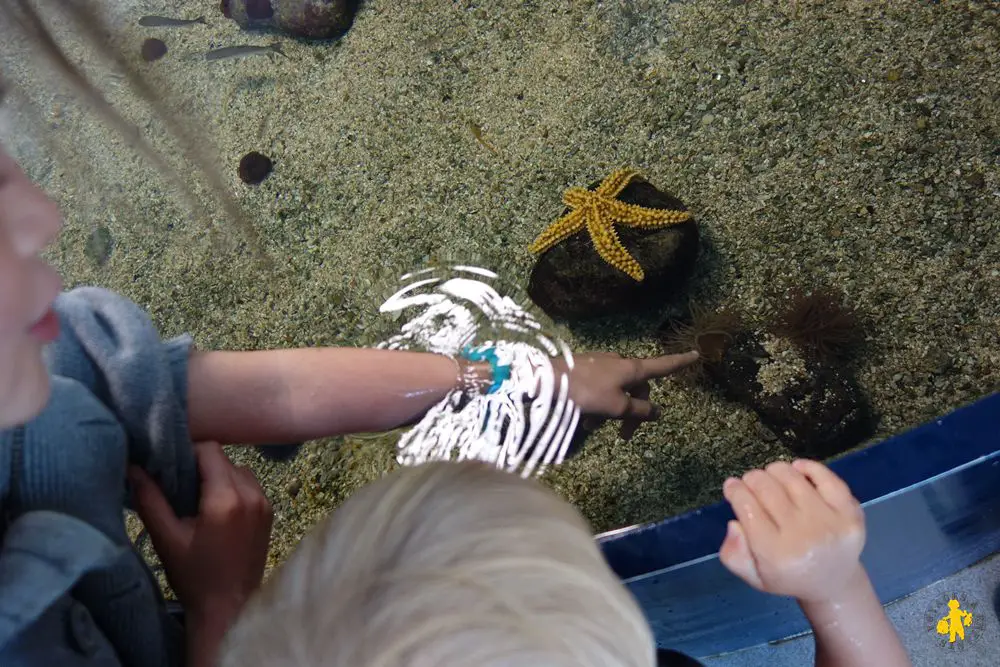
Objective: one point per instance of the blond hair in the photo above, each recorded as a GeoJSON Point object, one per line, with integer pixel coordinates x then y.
{"type": "Point", "coordinates": [441, 565]}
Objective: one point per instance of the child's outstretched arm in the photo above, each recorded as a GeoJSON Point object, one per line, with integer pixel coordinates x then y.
{"type": "Point", "coordinates": [301, 394]}
{"type": "Point", "coordinates": [800, 532]}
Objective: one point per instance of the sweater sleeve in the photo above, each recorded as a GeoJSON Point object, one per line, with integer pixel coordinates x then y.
{"type": "Point", "coordinates": [110, 345]}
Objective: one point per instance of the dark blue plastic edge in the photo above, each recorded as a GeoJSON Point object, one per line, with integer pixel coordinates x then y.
{"type": "Point", "coordinates": [932, 502]}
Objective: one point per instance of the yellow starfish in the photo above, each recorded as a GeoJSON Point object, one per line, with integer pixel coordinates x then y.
{"type": "Point", "coordinates": [598, 211]}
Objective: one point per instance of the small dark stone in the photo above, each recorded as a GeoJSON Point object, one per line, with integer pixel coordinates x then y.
{"type": "Point", "coordinates": [571, 281]}
{"type": "Point", "coordinates": [311, 19]}
{"type": "Point", "coordinates": [153, 49]}
{"type": "Point", "coordinates": [254, 168]}
{"type": "Point", "coordinates": [820, 411]}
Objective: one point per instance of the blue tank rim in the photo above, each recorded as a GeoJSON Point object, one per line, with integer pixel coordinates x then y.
{"type": "Point", "coordinates": [877, 471]}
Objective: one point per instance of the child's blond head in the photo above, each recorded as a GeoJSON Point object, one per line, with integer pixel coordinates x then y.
{"type": "Point", "coordinates": [442, 565]}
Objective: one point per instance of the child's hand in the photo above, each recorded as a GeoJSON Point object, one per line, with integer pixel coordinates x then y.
{"type": "Point", "coordinates": [799, 532]}
{"type": "Point", "coordinates": [214, 561]}
{"type": "Point", "coordinates": [606, 385]}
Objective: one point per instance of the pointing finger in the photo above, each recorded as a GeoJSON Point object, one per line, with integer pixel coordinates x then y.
{"type": "Point", "coordinates": [658, 367]}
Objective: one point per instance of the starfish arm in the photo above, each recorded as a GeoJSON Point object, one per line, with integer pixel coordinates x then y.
{"type": "Point", "coordinates": [575, 198]}
{"type": "Point", "coordinates": [558, 231]}
{"type": "Point", "coordinates": [612, 185]}
{"type": "Point", "coordinates": [646, 218]}
{"type": "Point", "coordinates": [599, 210]}
{"type": "Point", "coordinates": [610, 248]}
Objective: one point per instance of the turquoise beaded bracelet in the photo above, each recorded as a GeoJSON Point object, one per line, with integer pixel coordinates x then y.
{"type": "Point", "coordinates": [500, 372]}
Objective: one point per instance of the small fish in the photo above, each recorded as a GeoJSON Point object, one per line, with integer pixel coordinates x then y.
{"type": "Point", "coordinates": [245, 50]}
{"type": "Point", "coordinates": [167, 22]}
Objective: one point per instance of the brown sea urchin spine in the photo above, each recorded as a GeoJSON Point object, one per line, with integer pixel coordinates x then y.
{"type": "Point", "coordinates": [709, 332]}
{"type": "Point", "coordinates": [819, 323]}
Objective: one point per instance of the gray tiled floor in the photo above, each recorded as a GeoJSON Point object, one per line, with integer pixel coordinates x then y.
{"type": "Point", "coordinates": [976, 589]}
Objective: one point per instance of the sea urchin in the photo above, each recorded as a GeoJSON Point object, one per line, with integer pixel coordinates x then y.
{"type": "Point", "coordinates": [709, 332]}
{"type": "Point", "coordinates": [819, 323]}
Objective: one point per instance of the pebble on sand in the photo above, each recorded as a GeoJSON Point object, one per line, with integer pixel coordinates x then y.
{"type": "Point", "coordinates": [254, 168]}
{"type": "Point", "coordinates": [153, 49]}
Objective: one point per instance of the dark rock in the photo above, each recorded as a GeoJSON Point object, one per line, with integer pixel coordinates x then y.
{"type": "Point", "coordinates": [254, 168]}
{"type": "Point", "coordinates": [311, 19]}
{"type": "Point", "coordinates": [153, 49]}
{"type": "Point", "coordinates": [571, 281]}
{"type": "Point", "coordinates": [814, 407]}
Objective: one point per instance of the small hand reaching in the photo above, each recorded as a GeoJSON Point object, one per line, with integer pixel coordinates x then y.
{"type": "Point", "coordinates": [799, 531]}
{"type": "Point", "coordinates": [214, 561]}
{"type": "Point", "coordinates": [605, 386]}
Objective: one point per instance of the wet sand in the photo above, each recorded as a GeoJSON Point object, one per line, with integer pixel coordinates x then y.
{"type": "Point", "coordinates": [852, 144]}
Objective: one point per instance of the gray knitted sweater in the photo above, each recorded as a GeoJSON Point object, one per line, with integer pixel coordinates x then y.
{"type": "Point", "coordinates": [73, 591]}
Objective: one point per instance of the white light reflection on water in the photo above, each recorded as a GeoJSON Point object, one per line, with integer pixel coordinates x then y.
{"type": "Point", "coordinates": [527, 424]}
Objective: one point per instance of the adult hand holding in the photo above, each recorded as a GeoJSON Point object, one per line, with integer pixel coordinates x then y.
{"type": "Point", "coordinates": [213, 561]}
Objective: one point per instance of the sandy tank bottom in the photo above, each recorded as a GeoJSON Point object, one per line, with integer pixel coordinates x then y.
{"type": "Point", "coordinates": [848, 143]}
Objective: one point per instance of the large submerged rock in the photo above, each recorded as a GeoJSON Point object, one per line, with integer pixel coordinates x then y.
{"type": "Point", "coordinates": [572, 281]}
{"type": "Point", "coordinates": [310, 19]}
